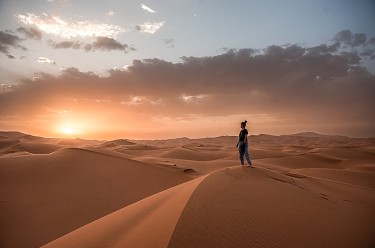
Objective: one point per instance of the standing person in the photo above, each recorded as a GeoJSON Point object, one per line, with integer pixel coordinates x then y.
{"type": "Point", "coordinates": [243, 145]}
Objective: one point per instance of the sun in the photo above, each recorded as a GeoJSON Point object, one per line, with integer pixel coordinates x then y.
{"type": "Point", "coordinates": [71, 128]}
{"type": "Point", "coordinates": [67, 130]}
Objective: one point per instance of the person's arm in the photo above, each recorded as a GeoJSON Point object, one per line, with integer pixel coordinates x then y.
{"type": "Point", "coordinates": [245, 140]}
{"type": "Point", "coordinates": [238, 142]}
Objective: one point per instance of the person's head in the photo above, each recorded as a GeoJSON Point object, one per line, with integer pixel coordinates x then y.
{"type": "Point", "coordinates": [243, 124]}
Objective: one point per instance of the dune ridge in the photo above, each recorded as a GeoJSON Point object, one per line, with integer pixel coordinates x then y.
{"type": "Point", "coordinates": [154, 217]}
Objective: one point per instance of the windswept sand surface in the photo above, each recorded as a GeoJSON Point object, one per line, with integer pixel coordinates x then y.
{"type": "Point", "coordinates": [306, 190]}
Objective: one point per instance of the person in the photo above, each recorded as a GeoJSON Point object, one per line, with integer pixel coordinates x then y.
{"type": "Point", "coordinates": [243, 145]}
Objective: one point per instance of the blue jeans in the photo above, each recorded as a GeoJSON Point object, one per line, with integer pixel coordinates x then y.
{"type": "Point", "coordinates": [243, 148]}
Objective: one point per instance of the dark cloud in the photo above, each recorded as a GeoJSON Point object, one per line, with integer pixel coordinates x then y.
{"type": "Point", "coordinates": [357, 42]}
{"type": "Point", "coordinates": [348, 38]}
{"type": "Point", "coordinates": [65, 44]}
{"type": "Point", "coordinates": [368, 53]}
{"type": "Point", "coordinates": [371, 41]}
{"type": "Point", "coordinates": [8, 40]}
{"type": "Point", "coordinates": [323, 48]}
{"type": "Point", "coordinates": [169, 42]}
{"type": "Point", "coordinates": [88, 47]}
{"type": "Point", "coordinates": [31, 33]}
{"type": "Point", "coordinates": [105, 43]}
{"type": "Point", "coordinates": [318, 86]}
{"type": "Point", "coordinates": [344, 36]}
{"type": "Point", "coordinates": [359, 39]}
{"type": "Point", "coordinates": [100, 43]}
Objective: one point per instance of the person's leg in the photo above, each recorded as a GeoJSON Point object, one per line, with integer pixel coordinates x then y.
{"type": "Point", "coordinates": [247, 155]}
{"type": "Point", "coordinates": [241, 151]}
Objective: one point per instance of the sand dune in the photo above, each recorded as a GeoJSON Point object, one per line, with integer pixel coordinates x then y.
{"type": "Point", "coordinates": [190, 154]}
{"type": "Point", "coordinates": [360, 178]}
{"type": "Point", "coordinates": [117, 142]}
{"type": "Point", "coordinates": [34, 147]}
{"type": "Point", "coordinates": [17, 135]}
{"type": "Point", "coordinates": [237, 207]}
{"type": "Point", "coordinates": [46, 196]}
{"type": "Point", "coordinates": [307, 190]}
{"type": "Point", "coordinates": [7, 143]}
{"type": "Point", "coordinates": [147, 223]}
{"type": "Point", "coordinates": [76, 142]}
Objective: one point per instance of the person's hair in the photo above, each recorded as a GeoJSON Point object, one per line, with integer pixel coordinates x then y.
{"type": "Point", "coordinates": [244, 123]}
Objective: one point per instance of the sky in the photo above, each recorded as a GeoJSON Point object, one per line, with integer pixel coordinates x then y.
{"type": "Point", "coordinates": [186, 68]}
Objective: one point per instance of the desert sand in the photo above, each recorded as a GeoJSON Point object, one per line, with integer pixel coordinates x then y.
{"type": "Point", "coordinates": [305, 190]}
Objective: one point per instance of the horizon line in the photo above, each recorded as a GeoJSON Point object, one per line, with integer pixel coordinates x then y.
{"type": "Point", "coordinates": [307, 134]}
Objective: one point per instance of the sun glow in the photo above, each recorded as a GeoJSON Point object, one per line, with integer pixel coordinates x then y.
{"type": "Point", "coordinates": [69, 130]}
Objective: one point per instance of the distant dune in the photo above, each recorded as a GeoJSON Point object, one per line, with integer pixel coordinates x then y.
{"type": "Point", "coordinates": [306, 190]}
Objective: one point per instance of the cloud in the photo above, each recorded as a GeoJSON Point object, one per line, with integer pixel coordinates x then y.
{"type": "Point", "coordinates": [105, 43]}
{"type": "Point", "coordinates": [148, 9]}
{"type": "Point", "coordinates": [140, 100]}
{"type": "Point", "coordinates": [8, 40]}
{"type": "Point", "coordinates": [69, 29]}
{"type": "Point", "coordinates": [297, 88]}
{"type": "Point", "coordinates": [192, 99]}
{"type": "Point", "coordinates": [63, 28]}
{"type": "Point", "coordinates": [371, 41]}
{"type": "Point", "coordinates": [100, 43]}
{"type": "Point", "coordinates": [31, 33]}
{"type": "Point", "coordinates": [348, 38]}
{"type": "Point", "coordinates": [110, 13]}
{"type": "Point", "coordinates": [149, 27]}
{"type": "Point", "coordinates": [65, 44]}
{"type": "Point", "coordinates": [357, 42]}
{"type": "Point", "coordinates": [57, 1]}
{"type": "Point", "coordinates": [169, 42]}
{"type": "Point", "coordinates": [323, 48]}
{"type": "Point", "coordinates": [44, 60]}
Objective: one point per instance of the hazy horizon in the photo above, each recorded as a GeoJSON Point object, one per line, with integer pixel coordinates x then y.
{"type": "Point", "coordinates": [167, 69]}
{"type": "Point", "coordinates": [302, 134]}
